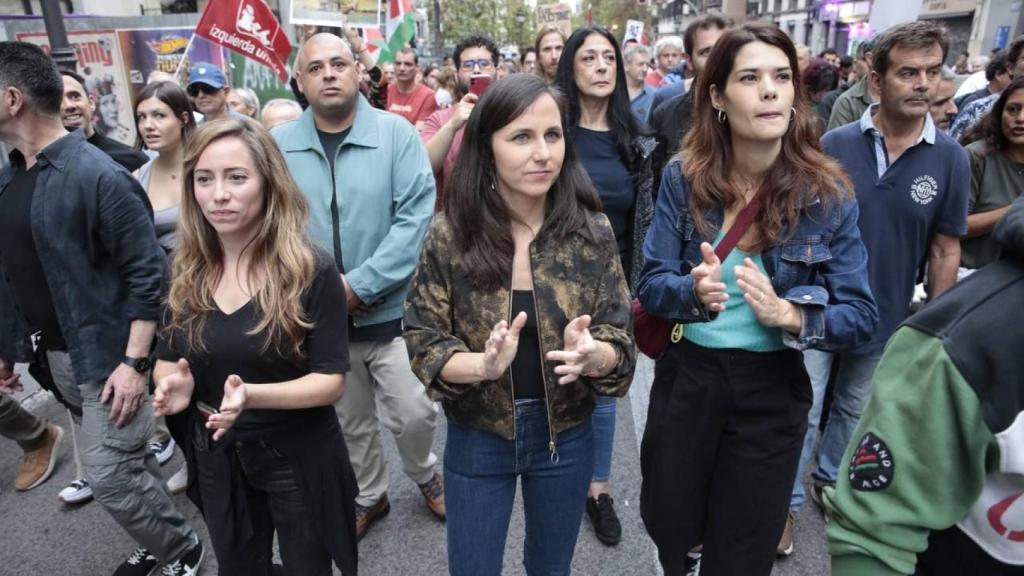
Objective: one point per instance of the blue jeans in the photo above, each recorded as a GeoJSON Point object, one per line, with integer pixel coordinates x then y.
{"type": "Point", "coordinates": [851, 391]}
{"type": "Point", "coordinates": [480, 473]}
{"type": "Point", "coordinates": [603, 421]}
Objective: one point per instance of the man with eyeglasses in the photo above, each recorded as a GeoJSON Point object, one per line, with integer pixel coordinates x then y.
{"type": "Point", "coordinates": [475, 55]}
{"type": "Point", "coordinates": [407, 97]}
{"type": "Point", "coordinates": [208, 90]}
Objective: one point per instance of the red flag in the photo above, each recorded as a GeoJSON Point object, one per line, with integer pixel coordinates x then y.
{"type": "Point", "coordinates": [249, 28]}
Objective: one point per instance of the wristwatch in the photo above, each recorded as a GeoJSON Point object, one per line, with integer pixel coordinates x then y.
{"type": "Point", "coordinates": [140, 365]}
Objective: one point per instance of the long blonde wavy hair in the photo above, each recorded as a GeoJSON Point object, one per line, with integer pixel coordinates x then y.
{"type": "Point", "coordinates": [282, 260]}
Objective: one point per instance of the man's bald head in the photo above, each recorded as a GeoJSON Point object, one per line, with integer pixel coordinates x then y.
{"type": "Point", "coordinates": [321, 40]}
{"type": "Point", "coordinates": [326, 73]}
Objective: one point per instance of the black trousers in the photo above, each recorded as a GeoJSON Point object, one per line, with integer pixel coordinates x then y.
{"type": "Point", "coordinates": [950, 552]}
{"type": "Point", "coordinates": [722, 443]}
{"type": "Point", "coordinates": [275, 505]}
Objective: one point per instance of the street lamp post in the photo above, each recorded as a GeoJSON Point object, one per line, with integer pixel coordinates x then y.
{"type": "Point", "coordinates": [520, 21]}
{"type": "Point", "coordinates": [60, 49]}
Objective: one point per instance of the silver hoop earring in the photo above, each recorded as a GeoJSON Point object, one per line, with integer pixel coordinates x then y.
{"type": "Point", "coordinates": [721, 116]}
{"type": "Point", "coordinates": [792, 114]}
{"type": "Point", "coordinates": [494, 187]}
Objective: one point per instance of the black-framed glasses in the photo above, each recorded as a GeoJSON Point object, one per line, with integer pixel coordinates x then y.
{"type": "Point", "coordinates": [194, 89]}
{"type": "Point", "coordinates": [483, 64]}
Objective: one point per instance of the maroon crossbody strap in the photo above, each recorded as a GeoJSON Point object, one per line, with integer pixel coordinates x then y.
{"type": "Point", "coordinates": [743, 221]}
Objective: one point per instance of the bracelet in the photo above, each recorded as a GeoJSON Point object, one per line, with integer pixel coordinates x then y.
{"type": "Point", "coordinates": [604, 363]}
{"type": "Point", "coordinates": [361, 49]}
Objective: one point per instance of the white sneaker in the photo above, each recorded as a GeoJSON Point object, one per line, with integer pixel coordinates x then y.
{"type": "Point", "coordinates": [162, 450]}
{"type": "Point", "coordinates": [78, 492]}
{"type": "Point", "coordinates": [177, 483]}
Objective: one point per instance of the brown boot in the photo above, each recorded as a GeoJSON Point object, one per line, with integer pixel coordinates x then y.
{"type": "Point", "coordinates": [366, 515]}
{"type": "Point", "coordinates": [38, 464]}
{"type": "Point", "coordinates": [433, 493]}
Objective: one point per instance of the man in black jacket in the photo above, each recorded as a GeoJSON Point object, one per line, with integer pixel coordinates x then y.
{"type": "Point", "coordinates": [671, 119]}
{"type": "Point", "coordinates": [76, 111]}
{"type": "Point", "coordinates": [81, 267]}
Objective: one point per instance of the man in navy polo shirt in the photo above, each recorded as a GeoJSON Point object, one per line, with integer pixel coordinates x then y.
{"type": "Point", "coordinates": [912, 183]}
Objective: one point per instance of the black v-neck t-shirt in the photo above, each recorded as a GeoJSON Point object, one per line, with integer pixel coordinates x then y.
{"type": "Point", "coordinates": [231, 350]}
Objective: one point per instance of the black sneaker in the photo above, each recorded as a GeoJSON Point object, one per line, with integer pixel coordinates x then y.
{"type": "Point", "coordinates": [606, 521]}
{"type": "Point", "coordinates": [140, 563]}
{"type": "Point", "coordinates": [691, 565]}
{"type": "Point", "coordinates": [162, 450]}
{"type": "Point", "coordinates": [187, 565]}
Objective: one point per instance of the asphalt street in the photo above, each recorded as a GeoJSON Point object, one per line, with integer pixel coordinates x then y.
{"type": "Point", "coordinates": [42, 537]}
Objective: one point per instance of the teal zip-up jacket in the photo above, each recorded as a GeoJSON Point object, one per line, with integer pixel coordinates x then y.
{"type": "Point", "coordinates": [385, 190]}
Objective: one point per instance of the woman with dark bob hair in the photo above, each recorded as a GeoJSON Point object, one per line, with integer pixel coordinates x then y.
{"type": "Point", "coordinates": [616, 153]}
{"type": "Point", "coordinates": [730, 399]}
{"type": "Point", "coordinates": [518, 316]}
{"type": "Point", "coordinates": [996, 147]}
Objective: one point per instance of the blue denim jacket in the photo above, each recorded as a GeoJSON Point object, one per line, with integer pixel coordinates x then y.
{"type": "Point", "coordinates": [821, 267]}
{"type": "Point", "coordinates": [93, 229]}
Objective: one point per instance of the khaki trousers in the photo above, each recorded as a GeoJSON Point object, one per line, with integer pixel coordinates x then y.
{"type": "Point", "coordinates": [381, 390]}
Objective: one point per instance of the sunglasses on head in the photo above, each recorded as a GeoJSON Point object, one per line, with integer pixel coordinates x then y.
{"type": "Point", "coordinates": [195, 89]}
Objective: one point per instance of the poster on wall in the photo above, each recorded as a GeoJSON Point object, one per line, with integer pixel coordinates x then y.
{"type": "Point", "coordinates": [358, 13]}
{"type": "Point", "coordinates": [149, 50]}
{"type": "Point", "coordinates": [99, 61]}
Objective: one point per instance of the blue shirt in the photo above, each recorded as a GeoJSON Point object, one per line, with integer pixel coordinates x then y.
{"type": "Point", "coordinates": [615, 185]}
{"type": "Point", "coordinates": [666, 93]}
{"type": "Point", "coordinates": [641, 105]}
{"type": "Point", "coordinates": [903, 205]}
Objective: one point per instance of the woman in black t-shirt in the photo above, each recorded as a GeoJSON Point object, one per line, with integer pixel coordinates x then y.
{"type": "Point", "coordinates": [613, 148]}
{"type": "Point", "coordinates": [253, 351]}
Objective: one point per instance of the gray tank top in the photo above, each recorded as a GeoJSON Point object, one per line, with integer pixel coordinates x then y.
{"type": "Point", "coordinates": [165, 221]}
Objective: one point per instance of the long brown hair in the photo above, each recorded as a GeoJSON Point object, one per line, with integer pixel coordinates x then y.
{"type": "Point", "coordinates": [802, 173]}
{"type": "Point", "coordinates": [282, 260]}
{"type": "Point", "coordinates": [480, 219]}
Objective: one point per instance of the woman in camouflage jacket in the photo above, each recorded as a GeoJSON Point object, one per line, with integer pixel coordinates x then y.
{"type": "Point", "coordinates": [518, 315]}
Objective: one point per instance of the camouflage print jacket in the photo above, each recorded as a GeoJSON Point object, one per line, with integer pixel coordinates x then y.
{"type": "Point", "coordinates": [445, 314]}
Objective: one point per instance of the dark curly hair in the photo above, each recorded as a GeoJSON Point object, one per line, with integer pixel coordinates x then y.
{"type": "Point", "coordinates": [990, 127]}
{"type": "Point", "coordinates": [474, 41]}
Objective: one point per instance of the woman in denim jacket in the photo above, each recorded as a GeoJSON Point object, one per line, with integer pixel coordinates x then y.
{"type": "Point", "coordinates": [729, 403]}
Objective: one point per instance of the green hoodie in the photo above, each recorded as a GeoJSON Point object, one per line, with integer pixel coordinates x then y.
{"type": "Point", "coordinates": [941, 442]}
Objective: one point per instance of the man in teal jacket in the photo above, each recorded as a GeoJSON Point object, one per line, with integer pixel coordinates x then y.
{"type": "Point", "coordinates": [371, 194]}
{"type": "Point", "coordinates": [932, 483]}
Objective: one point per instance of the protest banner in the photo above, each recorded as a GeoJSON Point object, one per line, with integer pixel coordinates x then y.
{"type": "Point", "coordinates": [250, 28]}
{"type": "Point", "coordinates": [558, 15]}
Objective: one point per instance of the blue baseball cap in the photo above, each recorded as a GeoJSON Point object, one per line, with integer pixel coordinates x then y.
{"type": "Point", "coordinates": [206, 73]}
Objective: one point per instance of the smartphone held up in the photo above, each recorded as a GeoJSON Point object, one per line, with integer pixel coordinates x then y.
{"type": "Point", "coordinates": [479, 84]}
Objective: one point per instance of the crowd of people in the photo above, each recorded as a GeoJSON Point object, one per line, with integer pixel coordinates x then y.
{"type": "Point", "coordinates": [265, 288]}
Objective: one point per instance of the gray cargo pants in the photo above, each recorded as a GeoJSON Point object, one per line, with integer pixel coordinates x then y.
{"type": "Point", "coordinates": [123, 473]}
